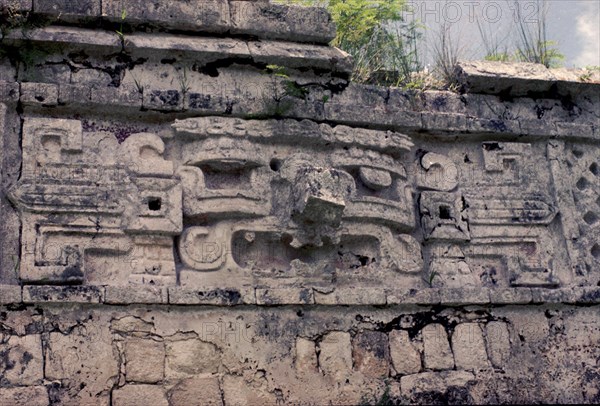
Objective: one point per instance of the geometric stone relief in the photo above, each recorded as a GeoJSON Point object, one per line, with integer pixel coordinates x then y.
{"type": "Point", "coordinates": [576, 172]}
{"type": "Point", "coordinates": [240, 202]}
{"type": "Point", "coordinates": [94, 211]}
{"type": "Point", "coordinates": [488, 219]}
{"type": "Point", "coordinates": [228, 201]}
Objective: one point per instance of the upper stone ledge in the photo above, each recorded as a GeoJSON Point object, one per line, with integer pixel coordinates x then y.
{"type": "Point", "coordinates": [260, 19]}
{"type": "Point", "coordinates": [524, 79]}
{"type": "Point", "coordinates": [205, 49]}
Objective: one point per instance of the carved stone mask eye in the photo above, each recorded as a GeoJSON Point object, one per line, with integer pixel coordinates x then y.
{"type": "Point", "coordinates": [375, 179]}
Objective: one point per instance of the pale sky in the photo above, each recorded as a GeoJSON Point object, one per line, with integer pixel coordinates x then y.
{"type": "Point", "coordinates": [573, 24]}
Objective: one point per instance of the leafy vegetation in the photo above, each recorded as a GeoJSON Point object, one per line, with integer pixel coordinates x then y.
{"type": "Point", "coordinates": [447, 51]}
{"type": "Point", "coordinates": [533, 44]}
{"type": "Point", "coordinates": [374, 32]}
{"type": "Point", "coordinates": [529, 36]}
{"type": "Point", "coordinates": [384, 45]}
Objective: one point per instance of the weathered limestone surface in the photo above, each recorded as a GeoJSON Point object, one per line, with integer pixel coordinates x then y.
{"type": "Point", "coordinates": [197, 207]}
{"type": "Point", "coordinates": [406, 357]}
{"type": "Point", "coordinates": [251, 354]}
{"type": "Point", "coordinates": [436, 348]}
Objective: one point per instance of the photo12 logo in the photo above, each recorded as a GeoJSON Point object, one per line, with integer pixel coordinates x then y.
{"type": "Point", "coordinates": [428, 11]}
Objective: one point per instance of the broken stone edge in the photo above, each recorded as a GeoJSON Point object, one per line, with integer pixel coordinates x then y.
{"type": "Point", "coordinates": [523, 79]}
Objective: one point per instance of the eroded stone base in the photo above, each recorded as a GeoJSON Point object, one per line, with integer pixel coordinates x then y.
{"type": "Point", "coordinates": [189, 355]}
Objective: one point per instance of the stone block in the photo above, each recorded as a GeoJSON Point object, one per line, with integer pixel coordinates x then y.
{"type": "Point", "coordinates": [144, 360]}
{"type": "Point", "coordinates": [545, 128]}
{"type": "Point", "coordinates": [545, 295]}
{"type": "Point", "coordinates": [107, 41]}
{"type": "Point", "coordinates": [22, 361]}
{"type": "Point", "coordinates": [203, 49]}
{"type": "Point", "coordinates": [10, 294]}
{"type": "Point", "coordinates": [335, 357]}
{"type": "Point", "coordinates": [190, 356]}
{"type": "Point", "coordinates": [91, 77]}
{"type": "Point", "coordinates": [510, 296]}
{"type": "Point", "coordinates": [443, 101]}
{"type": "Point", "coordinates": [371, 354]}
{"type": "Point", "coordinates": [436, 348]}
{"type": "Point", "coordinates": [406, 358]}
{"type": "Point", "coordinates": [125, 96]}
{"type": "Point", "coordinates": [294, 55]}
{"type": "Point", "coordinates": [444, 122]}
{"type": "Point", "coordinates": [283, 296]}
{"type": "Point", "coordinates": [278, 21]}
{"type": "Point", "coordinates": [493, 125]}
{"type": "Point", "coordinates": [434, 382]}
{"type": "Point", "coordinates": [84, 361]}
{"type": "Point", "coordinates": [24, 396]}
{"type": "Point", "coordinates": [163, 100]}
{"type": "Point", "coordinates": [498, 343]}
{"type": "Point", "coordinates": [468, 347]}
{"type": "Point", "coordinates": [73, 294]}
{"type": "Point", "coordinates": [492, 77]}
{"type": "Point", "coordinates": [196, 391]}
{"type": "Point", "coordinates": [306, 355]}
{"type": "Point", "coordinates": [139, 395]}
{"type": "Point", "coordinates": [526, 327]}
{"type": "Point", "coordinates": [427, 296]}
{"type": "Point", "coordinates": [467, 295]}
{"type": "Point", "coordinates": [586, 295]}
{"type": "Point", "coordinates": [56, 73]}
{"type": "Point", "coordinates": [220, 296]}
{"type": "Point", "coordinates": [351, 296]}
{"type": "Point", "coordinates": [144, 294]}
{"type": "Point", "coordinates": [74, 94]}
{"type": "Point", "coordinates": [238, 391]}
{"type": "Point", "coordinates": [131, 324]}
{"type": "Point", "coordinates": [42, 94]}
{"type": "Point", "coordinates": [68, 10]}
{"type": "Point", "coordinates": [9, 91]}
{"type": "Point", "coordinates": [197, 15]}
{"type": "Point", "coordinates": [574, 130]}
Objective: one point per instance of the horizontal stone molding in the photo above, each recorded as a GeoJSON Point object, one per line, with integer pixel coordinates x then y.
{"type": "Point", "coordinates": [393, 116]}
{"type": "Point", "coordinates": [524, 79]}
{"type": "Point", "coordinates": [226, 297]}
{"type": "Point", "coordinates": [244, 18]}
{"type": "Point", "coordinates": [205, 49]}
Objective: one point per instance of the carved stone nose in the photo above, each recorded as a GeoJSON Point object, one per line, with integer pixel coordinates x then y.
{"type": "Point", "coordinates": [321, 194]}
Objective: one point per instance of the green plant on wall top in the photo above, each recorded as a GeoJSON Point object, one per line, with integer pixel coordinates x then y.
{"type": "Point", "coordinates": [374, 32]}
{"type": "Point", "coordinates": [529, 38]}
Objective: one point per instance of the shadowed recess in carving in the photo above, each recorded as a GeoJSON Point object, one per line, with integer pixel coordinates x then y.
{"type": "Point", "coordinates": [227, 177]}
{"type": "Point", "coordinates": [273, 251]}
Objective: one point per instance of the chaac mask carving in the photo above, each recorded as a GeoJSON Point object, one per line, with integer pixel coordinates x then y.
{"type": "Point", "coordinates": [294, 202]}
{"type": "Point", "coordinates": [237, 203]}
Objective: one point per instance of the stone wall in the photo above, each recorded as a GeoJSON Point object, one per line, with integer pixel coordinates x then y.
{"type": "Point", "coordinates": [198, 207]}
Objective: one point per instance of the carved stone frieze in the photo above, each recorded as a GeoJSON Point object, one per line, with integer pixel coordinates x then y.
{"type": "Point", "coordinates": [285, 201]}
{"type": "Point", "coordinates": [294, 202]}
{"type": "Point", "coordinates": [489, 219]}
{"type": "Point", "coordinates": [94, 211]}
{"type": "Point", "coordinates": [225, 201]}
